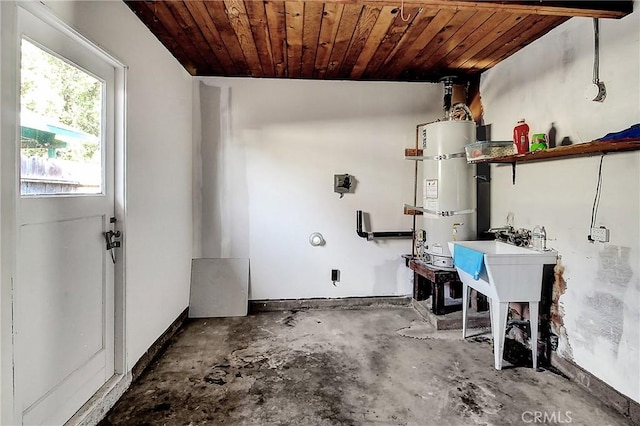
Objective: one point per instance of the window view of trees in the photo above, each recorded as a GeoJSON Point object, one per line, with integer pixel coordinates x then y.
{"type": "Point", "coordinates": [61, 112]}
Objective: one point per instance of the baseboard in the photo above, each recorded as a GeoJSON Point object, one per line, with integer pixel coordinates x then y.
{"type": "Point", "coordinates": [256, 306]}
{"type": "Point", "coordinates": [158, 347]}
{"type": "Point", "coordinates": [605, 393]}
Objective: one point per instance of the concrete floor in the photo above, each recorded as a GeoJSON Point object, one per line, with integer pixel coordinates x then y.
{"type": "Point", "coordinates": [382, 366]}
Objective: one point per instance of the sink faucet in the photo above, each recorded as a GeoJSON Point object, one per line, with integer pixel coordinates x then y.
{"type": "Point", "coordinates": [519, 237]}
{"type": "Point", "coordinates": [507, 228]}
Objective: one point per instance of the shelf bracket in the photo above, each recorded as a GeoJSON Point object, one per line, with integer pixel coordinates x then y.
{"type": "Point", "coordinates": [513, 172]}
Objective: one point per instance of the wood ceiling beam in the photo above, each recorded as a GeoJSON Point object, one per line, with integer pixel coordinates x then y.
{"type": "Point", "coordinates": [310, 37]}
{"type": "Point", "coordinates": [589, 9]}
{"type": "Point", "coordinates": [330, 21]}
{"type": "Point", "coordinates": [412, 49]}
{"type": "Point", "coordinates": [377, 34]}
{"type": "Point", "coordinates": [260, 30]}
{"type": "Point", "coordinates": [295, 23]}
{"type": "Point", "coordinates": [365, 25]}
{"type": "Point", "coordinates": [389, 42]}
{"type": "Point", "coordinates": [277, 25]}
{"type": "Point", "coordinates": [346, 30]}
{"type": "Point", "coordinates": [239, 20]}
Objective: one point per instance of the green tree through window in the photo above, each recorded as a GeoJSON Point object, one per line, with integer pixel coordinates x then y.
{"type": "Point", "coordinates": [64, 93]}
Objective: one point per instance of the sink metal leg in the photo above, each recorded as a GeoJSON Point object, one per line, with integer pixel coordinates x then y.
{"type": "Point", "coordinates": [465, 306]}
{"type": "Point", "coordinates": [533, 320]}
{"type": "Point", "coordinates": [491, 320]}
{"type": "Point", "coordinates": [498, 327]}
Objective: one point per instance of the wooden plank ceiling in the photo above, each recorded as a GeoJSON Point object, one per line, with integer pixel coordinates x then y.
{"type": "Point", "coordinates": [354, 40]}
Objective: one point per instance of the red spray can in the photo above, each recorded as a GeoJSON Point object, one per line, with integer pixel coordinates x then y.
{"type": "Point", "coordinates": [521, 136]}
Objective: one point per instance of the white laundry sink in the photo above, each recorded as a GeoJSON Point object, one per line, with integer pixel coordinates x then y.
{"type": "Point", "coordinates": [510, 274]}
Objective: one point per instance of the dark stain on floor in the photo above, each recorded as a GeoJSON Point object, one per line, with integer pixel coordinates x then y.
{"type": "Point", "coordinates": [342, 367]}
{"type": "Point", "coordinates": [468, 398]}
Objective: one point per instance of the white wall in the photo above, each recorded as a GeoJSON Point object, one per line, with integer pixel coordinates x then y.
{"type": "Point", "coordinates": [6, 384]}
{"type": "Point", "coordinates": [283, 143]}
{"type": "Point", "coordinates": [544, 83]}
{"type": "Point", "coordinates": [158, 167]}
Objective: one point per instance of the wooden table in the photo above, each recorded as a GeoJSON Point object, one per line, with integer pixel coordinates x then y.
{"type": "Point", "coordinates": [428, 281]}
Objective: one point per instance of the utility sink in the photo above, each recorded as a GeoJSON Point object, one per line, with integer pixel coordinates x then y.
{"type": "Point", "coordinates": [510, 274]}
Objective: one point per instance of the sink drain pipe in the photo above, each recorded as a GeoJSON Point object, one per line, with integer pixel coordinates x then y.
{"type": "Point", "coordinates": [375, 235]}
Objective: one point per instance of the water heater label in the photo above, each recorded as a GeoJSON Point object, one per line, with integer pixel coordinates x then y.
{"type": "Point", "coordinates": [431, 205]}
{"type": "Point", "coordinates": [431, 188]}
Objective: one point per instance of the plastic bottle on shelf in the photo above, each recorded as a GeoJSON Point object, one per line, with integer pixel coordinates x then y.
{"type": "Point", "coordinates": [536, 238]}
{"type": "Point", "coordinates": [543, 238]}
{"type": "Point", "coordinates": [521, 136]}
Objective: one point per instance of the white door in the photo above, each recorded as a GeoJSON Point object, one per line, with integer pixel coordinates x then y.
{"type": "Point", "coordinates": [64, 289]}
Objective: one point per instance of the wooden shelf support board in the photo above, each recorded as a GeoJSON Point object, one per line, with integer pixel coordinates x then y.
{"type": "Point", "coordinates": [412, 212]}
{"type": "Point", "coordinates": [412, 152]}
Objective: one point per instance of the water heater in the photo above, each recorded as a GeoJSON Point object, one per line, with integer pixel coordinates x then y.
{"type": "Point", "coordinates": [449, 191]}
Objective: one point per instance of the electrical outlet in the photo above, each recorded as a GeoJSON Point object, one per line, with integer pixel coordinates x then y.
{"type": "Point", "coordinates": [335, 275]}
{"type": "Point", "coordinates": [600, 234]}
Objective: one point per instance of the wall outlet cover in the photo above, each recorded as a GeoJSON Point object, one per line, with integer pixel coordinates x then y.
{"type": "Point", "coordinates": [343, 184]}
{"type": "Point", "coordinates": [600, 234]}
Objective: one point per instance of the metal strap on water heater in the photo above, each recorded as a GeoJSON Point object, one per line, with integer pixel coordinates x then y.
{"type": "Point", "coordinates": [446, 213]}
{"type": "Point", "coordinates": [445, 156]}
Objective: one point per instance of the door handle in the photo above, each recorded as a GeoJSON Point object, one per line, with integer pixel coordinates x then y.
{"type": "Point", "coordinates": [111, 240]}
{"type": "Point", "coordinates": [110, 237]}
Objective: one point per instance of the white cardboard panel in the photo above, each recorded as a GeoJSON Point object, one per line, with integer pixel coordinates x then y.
{"type": "Point", "coordinates": [219, 288]}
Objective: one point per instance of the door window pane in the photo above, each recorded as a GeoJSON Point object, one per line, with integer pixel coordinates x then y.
{"type": "Point", "coordinates": [60, 126]}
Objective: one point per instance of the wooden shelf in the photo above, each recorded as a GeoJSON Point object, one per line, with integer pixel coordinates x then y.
{"type": "Point", "coordinates": [578, 149]}
{"type": "Point", "coordinates": [586, 148]}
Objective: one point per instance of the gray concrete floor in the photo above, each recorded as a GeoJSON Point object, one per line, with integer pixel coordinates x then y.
{"type": "Point", "coordinates": [381, 366]}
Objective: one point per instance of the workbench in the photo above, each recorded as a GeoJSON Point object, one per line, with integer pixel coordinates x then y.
{"type": "Point", "coordinates": [431, 282]}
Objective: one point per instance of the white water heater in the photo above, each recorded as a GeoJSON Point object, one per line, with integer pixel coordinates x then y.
{"type": "Point", "coordinates": [449, 191]}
